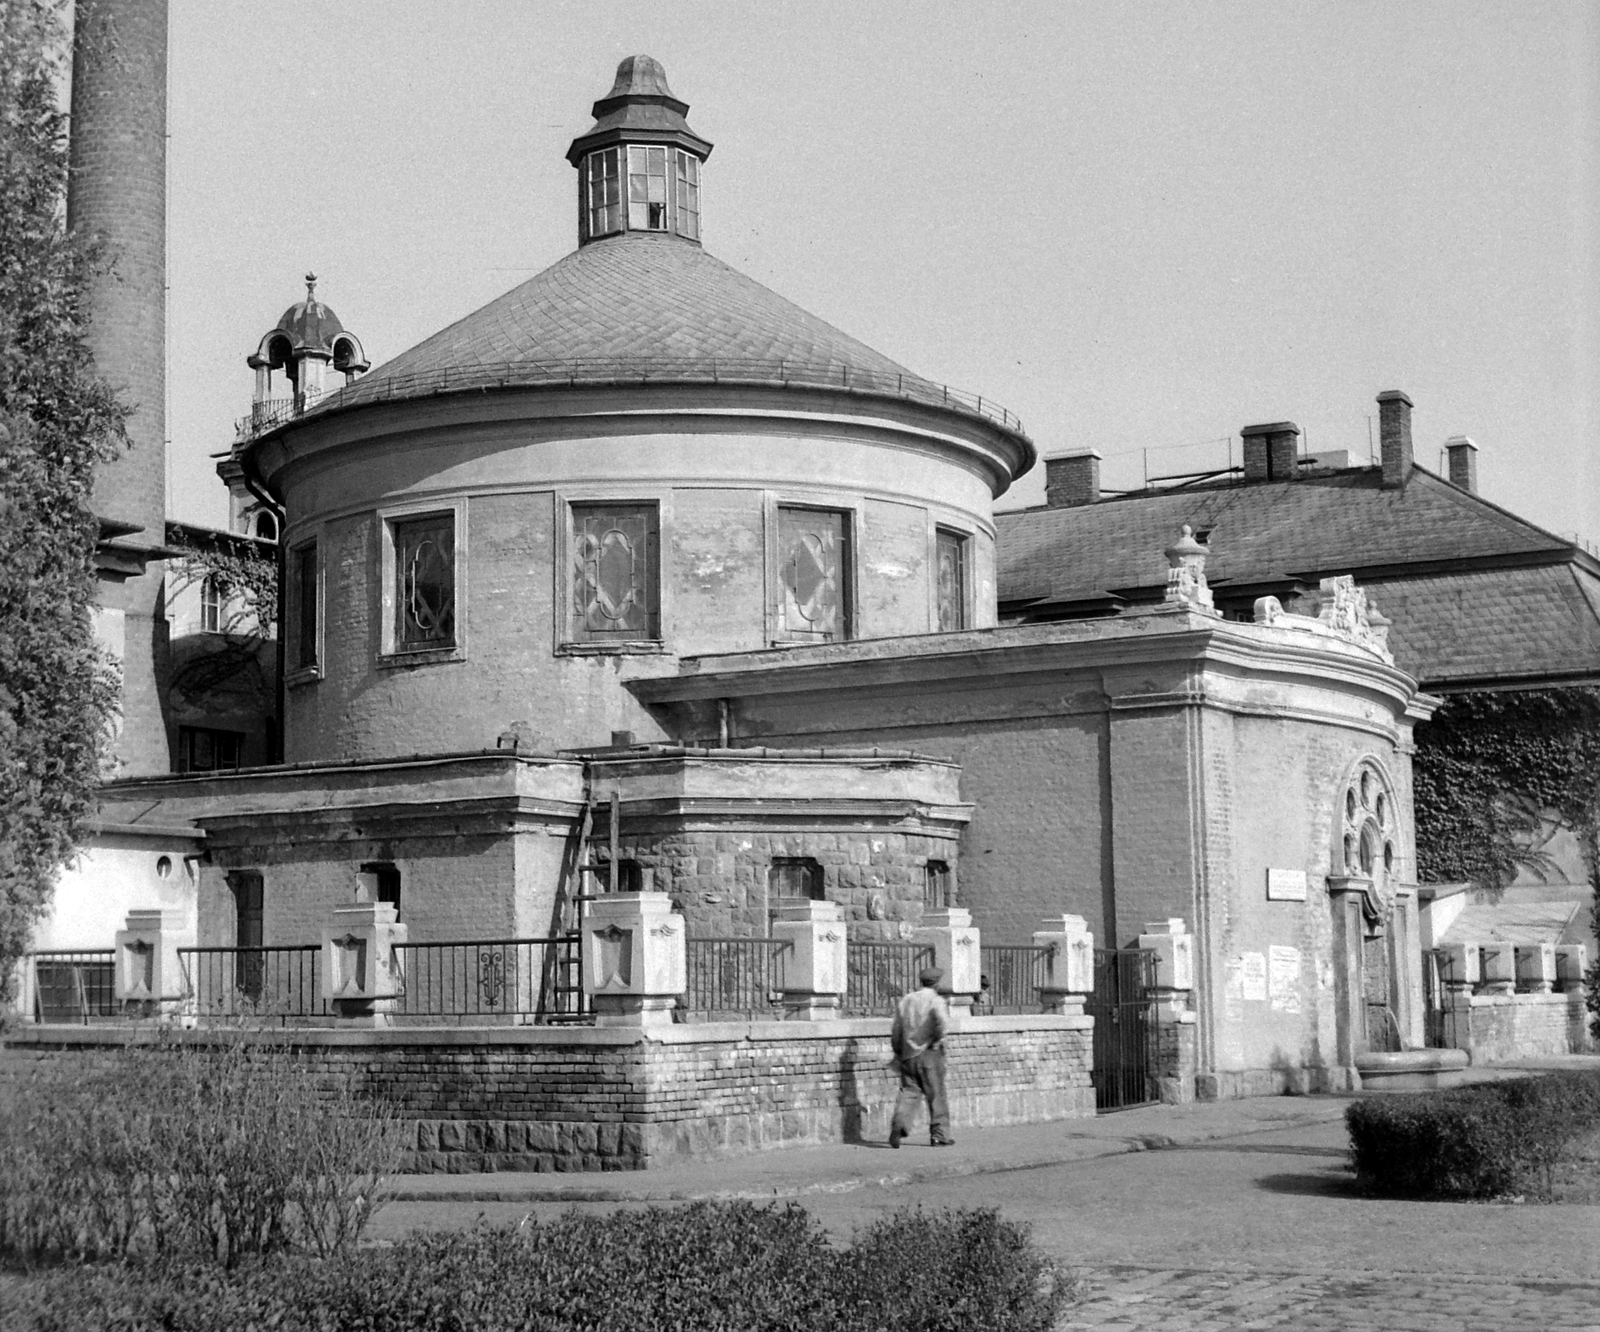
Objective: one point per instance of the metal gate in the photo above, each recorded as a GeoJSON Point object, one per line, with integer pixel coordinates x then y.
{"type": "Point", "coordinates": [1120, 1006]}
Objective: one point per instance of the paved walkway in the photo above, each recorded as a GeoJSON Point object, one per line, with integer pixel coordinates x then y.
{"type": "Point", "coordinates": [1136, 1298]}
{"type": "Point", "coordinates": [1204, 1218]}
{"type": "Point", "coordinates": [796, 1172]}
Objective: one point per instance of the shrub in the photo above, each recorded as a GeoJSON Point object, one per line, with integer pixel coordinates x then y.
{"type": "Point", "coordinates": [179, 1150]}
{"type": "Point", "coordinates": [1482, 1141]}
{"type": "Point", "coordinates": [720, 1267]}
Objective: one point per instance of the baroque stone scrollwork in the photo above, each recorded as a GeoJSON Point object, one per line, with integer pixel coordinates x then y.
{"type": "Point", "coordinates": [1345, 613]}
{"type": "Point", "coordinates": [1186, 574]}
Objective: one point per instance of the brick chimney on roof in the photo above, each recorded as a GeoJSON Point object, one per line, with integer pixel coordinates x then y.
{"type": "Point", "coordinates": [1394, 434]}
{"type": "Point", "coordinates": [1463, 463]}
{"type": "Point", "coordinates": [1072, 479]}
{"type": "Point", "coordinates": [1271, 451]}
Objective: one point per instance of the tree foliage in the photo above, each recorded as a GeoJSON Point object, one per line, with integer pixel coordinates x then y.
{"type": "Point", "coordinates": [57, 420]}
{"type": "Point", "coordinates": [1491, 771]}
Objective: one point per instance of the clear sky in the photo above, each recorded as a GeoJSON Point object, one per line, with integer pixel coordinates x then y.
{"type": "Point", "coordinates": [1137, 225]}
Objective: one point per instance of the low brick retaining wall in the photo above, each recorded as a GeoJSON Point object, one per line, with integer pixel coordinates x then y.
{"type": "Point", "coordinates": [1522, 1026]}
{"type": "Point", "coordinates": [620, 1098]}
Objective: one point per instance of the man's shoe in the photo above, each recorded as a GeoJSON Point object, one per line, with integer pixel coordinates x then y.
{"type": "Point", "coordinates": [941, 1142]}
{"type": "Point", "coordinates": [895, 1137]}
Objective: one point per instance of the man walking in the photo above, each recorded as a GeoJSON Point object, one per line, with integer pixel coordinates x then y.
{"type": "Point", "coordinates": [920, 1021]}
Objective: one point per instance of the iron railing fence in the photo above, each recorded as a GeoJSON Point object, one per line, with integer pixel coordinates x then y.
{"type": "Point", "coordinates": [1121, 1007]}
{"type": "Point", "coordinates": [735, 977]}
{"type": "Point", "coordinates": [492, 980]}
{"type": "Point", "coordinates": [282, 983]}
{"type": "Point", "coordinates": [588, 371]}
{"type": "Point", "coordinates": [74, 986]}
{"type": "Point", "coordinates": [1012, 976]}
{"type": "Point", "coordinates": [880, 971]}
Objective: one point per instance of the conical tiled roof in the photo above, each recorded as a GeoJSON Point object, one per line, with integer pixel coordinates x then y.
{"type": "Point", "coordinates": [631, 305]}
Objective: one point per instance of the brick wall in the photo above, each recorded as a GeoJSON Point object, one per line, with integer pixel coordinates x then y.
{"type": "Point", "coordinates": [117, 195]}
{"type": "Point", "coordinates": [616, 1099]}
{"type": "Point", "coordinates": [1522, 1026]}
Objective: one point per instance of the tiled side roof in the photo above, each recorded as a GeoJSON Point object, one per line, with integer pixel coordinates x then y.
{"type": "Point", "coordinates": [1520, 620]}
{"type": "Point", "coordinates": [626, 299]}
{"type": "Point", "coordinates": [1344, 520]}
{"type": "Point", "coordinates": [1507, 623]}
{"type": "Point", "coordinates": [1512, 922]}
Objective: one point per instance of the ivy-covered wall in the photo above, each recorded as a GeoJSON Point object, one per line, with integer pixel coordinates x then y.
{"type": "Point", "coordinates": [1491, 770]}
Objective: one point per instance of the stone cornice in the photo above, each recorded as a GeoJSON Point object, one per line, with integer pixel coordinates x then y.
{"type": "Point", "coordinates": [1078, 646]}
{"type": "Point", "coordinates": [562, 412]}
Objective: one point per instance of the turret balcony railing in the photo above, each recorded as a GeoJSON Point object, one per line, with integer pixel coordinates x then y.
{"type": "Point", "coordinates": [588, 372]}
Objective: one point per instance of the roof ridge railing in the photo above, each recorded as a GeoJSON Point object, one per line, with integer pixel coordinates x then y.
{"type": "Point", "coordinates": [610, 370]}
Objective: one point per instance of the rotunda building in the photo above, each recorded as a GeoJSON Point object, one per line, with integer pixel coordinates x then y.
{"type": "Point", "coordinates": [637, 455]}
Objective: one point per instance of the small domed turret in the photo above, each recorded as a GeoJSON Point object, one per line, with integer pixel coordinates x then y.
{"type": "Point", "coordinates": [308, 339]}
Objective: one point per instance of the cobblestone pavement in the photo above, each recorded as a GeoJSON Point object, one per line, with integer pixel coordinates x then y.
{"type": "Point", "coordinates": [1138, 1298]}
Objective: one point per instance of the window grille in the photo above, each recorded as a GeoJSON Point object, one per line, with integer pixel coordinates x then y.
{"type": "Point", "coordinates": [688, 194]}
{"type": "Point", "coordinates": [938, 886]}
{"type": "Point", "coordinates": [305, 589]}
{"type": "Point", "coordinates": [604, 191]}
{"type": "Point", "coordinates": [813, 574]}
{"type": "Point", "coordinates": [615, 573]}
{"type": "Point", "coordinates": [204, 749]}
{"type": "Point", "coordinates": [425, 576]}
{"type": "Point", "coordinates": [952, 581]}
{"type": "Point", "coordinates": [210, 605]}
{"type": "Point", "coordinates": [647, 189]}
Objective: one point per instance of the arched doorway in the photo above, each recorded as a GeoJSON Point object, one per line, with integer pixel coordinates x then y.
{"type": "Point", "coordinates": [1368, 946]}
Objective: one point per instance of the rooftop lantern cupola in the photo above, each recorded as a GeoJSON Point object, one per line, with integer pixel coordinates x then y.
{"type": "Point", "coordinates": [639, 166]}
{"type": "Point", "coordinates": [304, 344]}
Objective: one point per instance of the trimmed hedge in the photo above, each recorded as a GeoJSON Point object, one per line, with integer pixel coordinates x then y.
{"type": "Point", "coordinates": [716, 1267]}
{"type": "Point", "coordinates": [1487, 1140]}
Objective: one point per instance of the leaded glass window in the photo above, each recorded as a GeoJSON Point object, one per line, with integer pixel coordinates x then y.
{"type": "Point", "coordinates": [952, 576]}
{"type": "Point", "coordinates": [647, 189]}
{"type": "Point", "coordinates": [813, 575]}
{"type": "Point", "coordinates": [603, 185]}
{"type": "Point", "coordinates": [425, 583]}
{"type": "Point", "coordinates": [615, 572]}
{"type": "Point", "coordinates": [688, 194]}
{"type": "Point", "coordinates": [305, 590]}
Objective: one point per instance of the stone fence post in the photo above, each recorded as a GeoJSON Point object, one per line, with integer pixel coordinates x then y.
{"type": "Point", "coordinates": [1499, 968]}
{"type": "Point", "coordinates": [1572, 960]}
{"type": "Point", "coordinates": [957, 952]}
{"type": "Point", "coordinates": [361, 976]}
{"type": "Point", "coordinates": [1069, 968]}
{"type": "Point", "coordinates": [148, 974]}
{"type": "Point", "coordinates": [635, 958]}
{"type": "Point", "coordinates": [1460, 973]}
{"type": "Point", "coordinates": [814, 968]}
{"type": "Point", "coordinates": [1172, 1052]}
{"type": "Point", "coordinates": [1535, 967]}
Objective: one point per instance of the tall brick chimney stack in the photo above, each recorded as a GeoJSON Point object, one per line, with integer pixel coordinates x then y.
{"type": "Point", "coordinates": [1271, 451]}
{"type": "Point", "coordinates": [1462, 454]}
{"type": "Point", "coordinates": [117, 193]}
{"type": "Point", "coordinates": [1394, 436]}
{"type": "Point", "coordinates": [1072, 479]}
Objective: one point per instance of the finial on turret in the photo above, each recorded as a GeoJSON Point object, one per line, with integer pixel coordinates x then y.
{"type": "Point", "coordinates": [311, 285]}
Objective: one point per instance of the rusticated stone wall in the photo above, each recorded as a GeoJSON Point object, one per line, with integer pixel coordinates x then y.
{"type": "Point", "coordinates": [571, 1099]}
{"type": "Point", "coordinates": [719, 880]}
